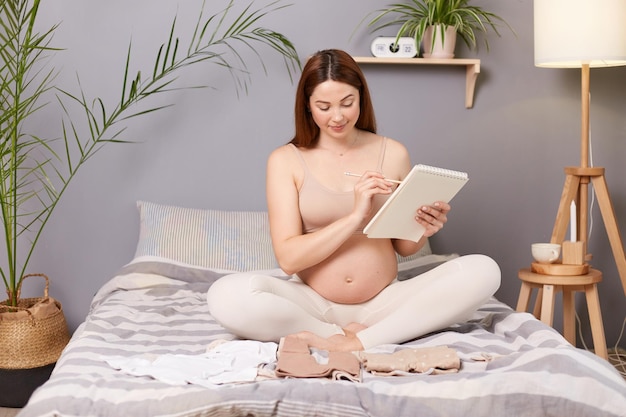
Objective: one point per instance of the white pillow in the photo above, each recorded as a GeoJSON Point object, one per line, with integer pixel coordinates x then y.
{"type": "Point", "coordinates": [226, 240]}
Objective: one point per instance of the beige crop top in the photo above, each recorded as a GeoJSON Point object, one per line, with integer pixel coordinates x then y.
{"type": "Point", "coordinates": [320, 206]}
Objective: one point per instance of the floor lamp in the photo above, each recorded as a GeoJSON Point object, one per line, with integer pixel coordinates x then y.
{"type": "Point", "coordinates": [583, 34]}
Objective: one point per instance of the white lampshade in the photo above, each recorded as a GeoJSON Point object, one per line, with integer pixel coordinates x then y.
{"type": "Point", "coordinates": [569, 33]}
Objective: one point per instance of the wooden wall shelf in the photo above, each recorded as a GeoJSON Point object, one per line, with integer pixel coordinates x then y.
{"type": "Point", "coordinates": [472, 68]}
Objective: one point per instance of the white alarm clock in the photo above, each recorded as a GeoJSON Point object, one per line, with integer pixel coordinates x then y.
{"type": "Point", "coordinates": [385, 47]}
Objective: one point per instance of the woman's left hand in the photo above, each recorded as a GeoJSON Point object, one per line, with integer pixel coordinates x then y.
{"type": "Point", "coordinates": [433, 217]}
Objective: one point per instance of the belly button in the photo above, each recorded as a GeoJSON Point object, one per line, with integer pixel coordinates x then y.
{"type": "Point", "coordinates": [348, 280]}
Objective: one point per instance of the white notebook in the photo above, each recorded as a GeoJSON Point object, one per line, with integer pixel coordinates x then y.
{"type": "Point", "coordinates": [422, 187]}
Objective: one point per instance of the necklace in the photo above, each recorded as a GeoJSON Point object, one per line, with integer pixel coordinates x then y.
{"type": "Point", "coordinates": [348, 146]}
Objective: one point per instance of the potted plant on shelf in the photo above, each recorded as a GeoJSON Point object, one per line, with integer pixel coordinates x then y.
{"type": "Point", "coordinates": [35, 171]}
{"type": "Point", "coordinates": [435, 24]}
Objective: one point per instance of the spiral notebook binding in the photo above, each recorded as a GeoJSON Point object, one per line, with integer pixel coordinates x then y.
{"type": "Point", "coordinates": [442, 171]}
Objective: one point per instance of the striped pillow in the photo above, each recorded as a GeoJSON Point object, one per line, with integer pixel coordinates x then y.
{"type": "Point", "coordinates": [230, 240]}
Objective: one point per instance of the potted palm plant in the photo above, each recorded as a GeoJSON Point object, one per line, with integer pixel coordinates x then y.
{"type": "Point", "coordinates": [435, 24]}
{"type": "Point", "coordinates": [35, 171]}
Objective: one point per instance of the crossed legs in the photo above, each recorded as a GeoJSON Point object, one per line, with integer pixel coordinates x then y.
{"type": "Point", "coordinates": [267, 308]}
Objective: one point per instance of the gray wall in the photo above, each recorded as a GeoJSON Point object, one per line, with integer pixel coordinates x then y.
{"type": "Point", "coordinates": [209, 150]}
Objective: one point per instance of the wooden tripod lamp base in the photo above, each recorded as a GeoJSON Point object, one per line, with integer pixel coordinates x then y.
{"type": "Point", "coordinates": [577, 180]}
{"type": "Point", "coordinates": [574, 273]}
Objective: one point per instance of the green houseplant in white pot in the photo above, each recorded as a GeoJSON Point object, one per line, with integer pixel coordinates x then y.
{"type": "Point", "coordinates": [435, 24]}
{"type": "Point", "coordinates": [35, 171]}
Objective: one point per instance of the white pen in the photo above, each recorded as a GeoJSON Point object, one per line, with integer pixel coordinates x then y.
{"type": "Point", "coordinates": [351, 174]}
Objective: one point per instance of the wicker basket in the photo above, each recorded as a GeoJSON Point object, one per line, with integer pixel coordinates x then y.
{"type": "Point", "coordinates": [34, 333]}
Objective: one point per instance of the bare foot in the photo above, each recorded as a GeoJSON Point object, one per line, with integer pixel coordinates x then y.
{"type": "Point", "coordinates": [347, 343]}
{"type": "Point", "coordinates": [336, 343]}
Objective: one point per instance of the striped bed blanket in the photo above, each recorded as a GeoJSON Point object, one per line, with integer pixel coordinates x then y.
{"type": "Point", "coordinates": [511, 365]}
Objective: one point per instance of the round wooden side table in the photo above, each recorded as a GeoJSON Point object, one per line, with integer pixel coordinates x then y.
{"type": "Point", "coordinates": [548, 286]}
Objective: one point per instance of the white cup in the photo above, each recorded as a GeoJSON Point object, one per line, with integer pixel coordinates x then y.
{"type": "Point", "coordinates": [546, 253]}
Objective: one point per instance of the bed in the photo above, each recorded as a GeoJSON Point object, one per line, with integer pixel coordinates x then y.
{"type": "Point", "coordinates": [155, 307]}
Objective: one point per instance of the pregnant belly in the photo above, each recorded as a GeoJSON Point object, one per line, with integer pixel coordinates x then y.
{"type": "Point", "coordinates": [356, 272]}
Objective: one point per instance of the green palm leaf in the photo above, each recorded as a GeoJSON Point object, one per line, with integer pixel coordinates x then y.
{"type": "Point", "coordinates": [33, 177]}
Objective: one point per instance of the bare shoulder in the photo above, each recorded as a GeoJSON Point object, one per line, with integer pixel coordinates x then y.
{"type": "Point", "coordinates": [282, 153]}
{"type": "Point", "coordinates": [397, 161]}
{"type": "Point", "coordinates": [396, 152]}
{"type": "Point", "coordinates": [392, 145]}
{"type": "Point", "coordinates": [283, 163]}
{"type": "Point", "coordinates": [282, 157]}
{"type": "Point", "coordinates": [397, 148]}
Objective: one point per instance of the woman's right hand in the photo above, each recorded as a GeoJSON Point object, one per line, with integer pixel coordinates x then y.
{"type": "Point", "coordinates": [370, 184]}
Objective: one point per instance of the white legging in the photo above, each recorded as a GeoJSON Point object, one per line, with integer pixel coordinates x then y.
{"type": "Point", "coordinates": [266, 308]}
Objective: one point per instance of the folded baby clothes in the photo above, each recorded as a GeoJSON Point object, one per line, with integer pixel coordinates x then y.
{"type": "Point", "coordinates": [426, 360]}
{"type": "Point", "coordinates": [296, 360]}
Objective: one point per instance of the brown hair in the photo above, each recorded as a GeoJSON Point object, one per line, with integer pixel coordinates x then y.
{"type": "Point", "coordinates": [336, 65]}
